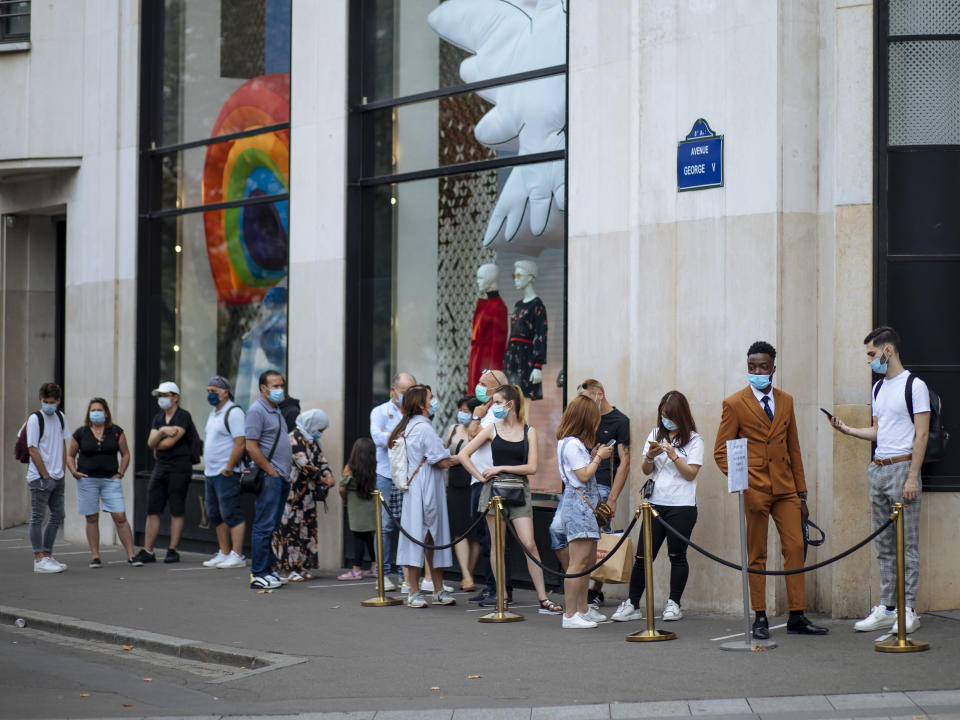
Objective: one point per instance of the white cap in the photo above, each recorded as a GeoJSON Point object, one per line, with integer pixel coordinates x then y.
{"type": "Point", "coordinates": [166, 387]}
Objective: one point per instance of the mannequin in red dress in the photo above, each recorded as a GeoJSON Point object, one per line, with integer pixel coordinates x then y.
{"type": "Point", "coordinates": [488, 339]}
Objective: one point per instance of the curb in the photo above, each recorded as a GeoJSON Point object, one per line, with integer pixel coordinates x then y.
{"type": "Point", "coordinates": [255, 661]}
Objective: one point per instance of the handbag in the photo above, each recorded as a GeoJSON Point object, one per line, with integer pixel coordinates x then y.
{"type": "Point", "coordinates": [509, 487]}
{"type": "Point", "coordinates": [251, 479]}
{"type": "Point", "coordinates": [602, 512]}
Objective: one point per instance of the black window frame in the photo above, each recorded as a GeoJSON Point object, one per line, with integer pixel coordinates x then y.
{"type": "Point", "coordinates": [5, 7]}
{"type": "Point", "coordinates": [883, 257]}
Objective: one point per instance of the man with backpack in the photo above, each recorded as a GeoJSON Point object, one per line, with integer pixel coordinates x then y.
{"type": "Point", "coordinates": [224, 447]}
{"type": "Point", "coordinates": [172, 439]}
{"type": "Point", "coordinates": [44, 438]}
{"type": "Point", "coordinates": [901, 424]}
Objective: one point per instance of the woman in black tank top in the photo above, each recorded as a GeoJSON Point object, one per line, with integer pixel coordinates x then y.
{"type": "Point", "coordinates": [513, 445]}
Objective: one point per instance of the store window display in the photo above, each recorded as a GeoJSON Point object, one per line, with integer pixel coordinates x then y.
{"type": "Point", "coordinates": [527, 349]}
{"type": "Point", "coordinates": [488, 339]}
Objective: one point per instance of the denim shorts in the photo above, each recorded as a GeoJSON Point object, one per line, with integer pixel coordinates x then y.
{"type": "Point", "coordinates": [577, 516]}
{"type": "Point", "coordinates": [222, 494]}
{"type": "Point", "coordinates": [96, 493]}
{"type": "Point", "coordinates": [558, 536]}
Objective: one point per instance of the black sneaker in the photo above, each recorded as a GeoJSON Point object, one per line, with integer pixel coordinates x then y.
{"type": "Point", "coordinates": [144, 557]}
{"type": "Point", "coordinates": [480, 596]}
{"type": "Point", "coordinates": [172, 556]}
{"type": "Point", "coordinates": [96, 563]}
{"type": "Point", "coordinates": [594, 597]}
{"type": "Point", "coordinates": [135, 561]}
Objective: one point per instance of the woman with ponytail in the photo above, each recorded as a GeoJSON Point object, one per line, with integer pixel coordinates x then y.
{"type": "Point", "coordinates": [514, 447]}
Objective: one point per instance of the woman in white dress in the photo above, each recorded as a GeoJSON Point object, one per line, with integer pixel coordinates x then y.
{"type": "Point", "coordinates": [425, 501]}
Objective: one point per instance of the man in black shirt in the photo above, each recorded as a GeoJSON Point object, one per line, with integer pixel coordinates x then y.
{"type": "Point", "coordinates": [170, 439]}
{"type": "Point", "coordinates": [614, 425]}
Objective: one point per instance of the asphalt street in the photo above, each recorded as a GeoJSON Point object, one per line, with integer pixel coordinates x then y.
{"type": "Point", "coordinates": [347, 658]}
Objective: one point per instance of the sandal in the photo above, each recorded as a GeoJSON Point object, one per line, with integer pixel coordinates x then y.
{"type": "Point", "coordinates": [471, 588]}
{"type": "Point", "coordinates": [351, 575]}
{"type": "Point", "coordinates": [294, 576]}
{"type": "Point", "coordinates": [548, 607]}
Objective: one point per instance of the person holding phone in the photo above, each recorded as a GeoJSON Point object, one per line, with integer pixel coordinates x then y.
{"type": "Point", "coordinates": [673, 456]}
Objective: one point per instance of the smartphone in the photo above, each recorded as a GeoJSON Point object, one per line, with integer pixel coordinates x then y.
{"type": "Point", "coordinates": [827, 413]}
{"type": "Point", "coordinates": [611, 443]}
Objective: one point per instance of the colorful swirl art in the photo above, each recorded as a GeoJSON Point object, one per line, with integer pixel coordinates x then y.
{"type": "Point", "coordinates": [247, 246]}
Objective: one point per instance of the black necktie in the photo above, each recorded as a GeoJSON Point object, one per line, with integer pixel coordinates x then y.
{"type": "Point", "coordinates": [766, 407]}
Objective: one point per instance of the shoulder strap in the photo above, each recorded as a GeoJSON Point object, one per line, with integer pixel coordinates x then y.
{"type": "Point", "coordinates": [60, 418]}
{"type": "Point", "coordinates": [276, 441]}
{"type": "Point", "coordinates": [876, 388]}
{"type": "Point", "coordinates": [909, 394]}
{"type": "Point", "coordinates": [226, 418]}
{"type": "Point", "coordinates": [40, 423]}
{"type": "Point", "coordinates": [526, 444]}
{"type": "Point", "coordinates": [589, 505]}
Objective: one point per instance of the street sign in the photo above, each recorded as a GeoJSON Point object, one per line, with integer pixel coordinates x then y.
{"type": "Point", "coordinates": [700, 159]}
{"type": "Point", "coordinates": [737, 465]}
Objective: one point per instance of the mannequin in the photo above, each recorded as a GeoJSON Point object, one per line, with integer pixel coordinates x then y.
{"type": "Point", "coordinates": [488, 339]}
{"type": "Point", "coordinates": [527, 348]}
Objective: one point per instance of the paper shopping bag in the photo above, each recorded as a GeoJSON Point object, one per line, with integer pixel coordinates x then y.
{"type": "Point", "coordinates": [618, 567]}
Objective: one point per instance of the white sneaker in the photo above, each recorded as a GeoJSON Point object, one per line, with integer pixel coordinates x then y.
{"type": "Point", "coordinates": [626, 612]}
{"type": "Point", "coordinates": [62, 566]}
{"type": "Point", "coordinates": [388, 585]}
{"type": "Point", "coordinates": [878, 618]}
{"type": "Point", "coordinates": [405, 587]}
{"type": "Point", "coordinates": [594, 615]}
{"type": "Point", "coordinates": [577, 622]}
{"type": "Point", "coordinates": [912, 622]}
{"type": "Point", "coordinates": [264, 582]}
{"type": "Point", "coordinates": [672, 611]}
{"type": "Point", "coordinates": [427, 586]}
{"type": "Point", "coordinates": [416, 600]}
{"type": "Point", "coordinates": [216, 559]}
{"type": "Point", "coordinates": [278, 578]}
{"type": "Point", "coordinates": [47, 565]}
{"type": "Point", "coordinates": [444, 598]}
{"type": "Point", "coordinates": [231, 561]}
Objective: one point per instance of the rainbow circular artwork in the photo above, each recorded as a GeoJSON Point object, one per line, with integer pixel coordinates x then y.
{"type": "Point", "coordinates": [247, 246]}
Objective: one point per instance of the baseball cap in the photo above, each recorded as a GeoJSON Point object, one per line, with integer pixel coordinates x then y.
{"type": "Point", "coordinates": [219, 381]}
{"type": "Point", "coordinates": [166, 387]}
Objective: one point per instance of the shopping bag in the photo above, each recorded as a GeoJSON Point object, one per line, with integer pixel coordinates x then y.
{"type": "Point", "coordinates": [617, 568]}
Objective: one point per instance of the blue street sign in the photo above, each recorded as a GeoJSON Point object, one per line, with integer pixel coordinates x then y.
{"type": "Point", "coordinates": [700, 159]}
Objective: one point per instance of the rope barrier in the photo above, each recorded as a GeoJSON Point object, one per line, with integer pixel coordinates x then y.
{"type": "Point", "coordinates": [412, 539]}
{"type": "Point", "coordinates": [707, 553]}
{"type": "Point", "coordinates": [571, 576]}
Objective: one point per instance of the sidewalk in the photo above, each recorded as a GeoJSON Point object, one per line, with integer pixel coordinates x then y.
{"type": "Point", "coordinates": [321, 652]}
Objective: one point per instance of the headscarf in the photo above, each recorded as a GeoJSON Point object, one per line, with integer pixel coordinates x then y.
{"type": "Point", "coordinates": [312, 421]}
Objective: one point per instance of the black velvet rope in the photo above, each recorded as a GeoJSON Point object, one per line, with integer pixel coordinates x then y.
{"type": "Point", "coordinates": [412, 539]}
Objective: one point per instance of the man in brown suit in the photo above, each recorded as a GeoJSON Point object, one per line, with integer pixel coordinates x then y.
{"type": "Point", "coordinates": [764, 416]}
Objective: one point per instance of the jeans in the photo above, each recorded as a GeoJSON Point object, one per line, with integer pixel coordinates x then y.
{"type": "Point", "coordinates": [268, 509]}
{"type": "Point", "coordinates": [483, 537]}
{"type": "Point", "coordinates": [44, 494]}
{"type": "Point", "coordinates": [385, 486]}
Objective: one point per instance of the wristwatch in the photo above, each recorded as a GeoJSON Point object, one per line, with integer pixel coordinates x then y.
{"type": "Point", "coordinates": [802, 495]}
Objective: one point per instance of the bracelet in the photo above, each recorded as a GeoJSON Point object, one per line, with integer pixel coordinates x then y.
{"type": "Point", "coordinates": [648, 458]}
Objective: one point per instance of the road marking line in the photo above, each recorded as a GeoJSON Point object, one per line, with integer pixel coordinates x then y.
{"type": "Point", "coordinates": [188, 569]}
{"type": "Point", "coordinates": [351, 583]}
{"type": "Point", "coordinates": [83, 552]}
{"type": "Point", "coordinates": [727, 637]}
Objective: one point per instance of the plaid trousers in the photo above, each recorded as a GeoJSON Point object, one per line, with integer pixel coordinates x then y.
{"type": "Point", "coordinates": [886, 488]}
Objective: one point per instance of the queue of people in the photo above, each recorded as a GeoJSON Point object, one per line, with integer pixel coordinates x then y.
{"type": "Point", "coordinates": [490, 451]}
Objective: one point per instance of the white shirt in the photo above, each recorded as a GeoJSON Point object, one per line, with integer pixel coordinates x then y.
{"type": "Point", "coordinates": [383, 419]}
{"type": "Point", "coordinates": [760, 396]}
{"type": "Point", "coordinates": [895, 431]}
{"type": "Point", "coordinates": [572, 455]}
{"type": "Point", "coordinates": [482, 457]}
{"type": "Point", "coordinates": [50, 445]}
{"type": "Point", "coordinates": [669, 486]}
{"type": "Point", "coordinates": [218, 441]}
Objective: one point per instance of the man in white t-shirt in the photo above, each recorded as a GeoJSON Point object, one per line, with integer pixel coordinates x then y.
{"type": "Point", "coordinates": [894, 472]}
{"type": "Point", "coordinates": [46, 445]}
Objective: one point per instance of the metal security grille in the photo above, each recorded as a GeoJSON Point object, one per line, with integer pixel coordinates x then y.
{"type": "Point", "coordinates": [924, 17]}
{"type": "Point", "coordinates": [924, 92]}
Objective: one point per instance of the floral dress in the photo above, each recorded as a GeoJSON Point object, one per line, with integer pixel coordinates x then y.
{"type": "Point", "coordinates": [527, 349]}
{"type": "Point", "coordinates": [295, 539]}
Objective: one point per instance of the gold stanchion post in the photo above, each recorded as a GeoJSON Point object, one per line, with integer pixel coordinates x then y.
{"type": "Point", "coordinates": [381, 600]}
{"type": "Point", "coordinates": [651, 634]}
{"type": "Point", "coordinates": [501, 615]}
{"type": "Point", "coordinates": [901, 643]}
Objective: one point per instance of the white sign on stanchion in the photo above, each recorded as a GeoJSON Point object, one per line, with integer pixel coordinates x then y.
{"type": "Point", "coordinates": [738, 482]}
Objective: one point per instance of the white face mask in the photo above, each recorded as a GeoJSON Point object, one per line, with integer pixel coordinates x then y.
{"type": "Point", "coordinates": [164, 402]}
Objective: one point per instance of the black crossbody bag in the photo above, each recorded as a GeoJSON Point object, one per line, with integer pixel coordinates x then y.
{"type": "Point", "coordinates": [251, 480]}
{"type": "Point", "coordinates": [510, 487]}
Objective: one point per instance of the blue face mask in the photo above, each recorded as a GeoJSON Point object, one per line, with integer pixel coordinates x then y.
{"type": "Point", "coordinates": [463, 417]}
{"type": "Point", "coordinates": [669, 424]}
{"type": "Point", "coordinates": [500, 412]}
{"type": "Point", "coordinates": [213, 398]}
{"type": "Point", "coordinates": [399, 399]}
{"type": "Point", "coordinates": [276, 395]}
{"type": "Point", "coordinates": [481, 393]}
{"type": "Point", "coordinates": [48, 408]}
{"type": "Point", "coordinates": [434, 406]}
{"type": "Point", "coordinates": [98, 417]}
{"type": "Point", "coordinates": [316, 436]}
{"type": "Point", "coordinates": [759, 381]}
{"type": "Point", "coordinates": [879, 365]}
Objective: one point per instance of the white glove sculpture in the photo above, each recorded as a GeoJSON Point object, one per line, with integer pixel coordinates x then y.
{"type": "Point", "coordinates": [526, 118]}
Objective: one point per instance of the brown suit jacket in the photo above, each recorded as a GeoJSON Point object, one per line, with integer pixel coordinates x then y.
{"type": "Point", "coordinates": [773, 449]}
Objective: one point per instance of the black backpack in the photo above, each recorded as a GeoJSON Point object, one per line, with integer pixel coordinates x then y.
{"type": "Point", "coordinates": [20, 450]}
{"type": "Point", "coordinates": [938, 437]}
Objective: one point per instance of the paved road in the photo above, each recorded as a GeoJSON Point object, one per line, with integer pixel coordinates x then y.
{"type": "Point", "coordinates": [397, 659]}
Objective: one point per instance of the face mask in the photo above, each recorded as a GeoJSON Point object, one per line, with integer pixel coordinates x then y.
{"type": "Point", "coordinates": [463, 417]}
{"type": "Point", "coordinates": [669, 424]}
{"type": "Point", "coordinates": [316, 436]}
{"type": "Point", "coordinates": [759, 381]}
{"type": "Point", "coordinates": [164, 403]}
{"type": "Point", "coordinates": [213, 398]}
{"type": "Point", "coordinates": [98, 417]}
{"type": "Point", "coordinates": [480, 392]}
{"type": "Point", "coordinates": [399, 399]}
{"type": "Point", "coordinates": [879, 365]}
{"type": "Point", "coordinates": [48, 408]}
{"type": "Point", "coordinates": [434, 406]}
{"type": "Point", "coordinates": [275, 395]}
{"type": "Point", "coordinates": [500, 412]}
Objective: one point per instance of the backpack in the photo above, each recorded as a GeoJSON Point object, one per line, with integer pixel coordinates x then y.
{"type": "Point", "coordinates": [196, 445]}
{"type": "Point", "coordinates": [398, 464]}
{"type": "Point", "coordinates": [938, 436]}
{"type": "Point", "coordinates": [20, 450]}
